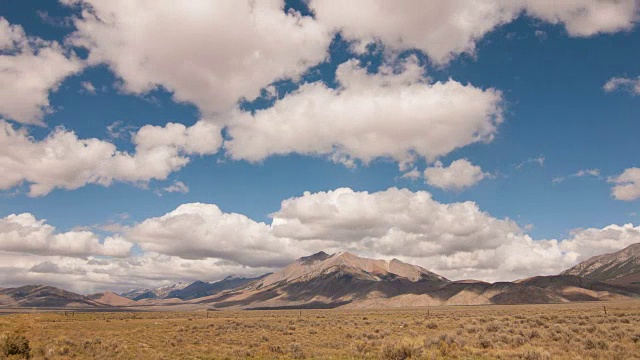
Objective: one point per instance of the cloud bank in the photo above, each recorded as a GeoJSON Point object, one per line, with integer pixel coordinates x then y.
{"type": "Point", "coordinates": [200, 241]}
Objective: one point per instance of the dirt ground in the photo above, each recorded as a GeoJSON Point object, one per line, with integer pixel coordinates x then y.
{"type": "Point", "coordinates": [560, 331]}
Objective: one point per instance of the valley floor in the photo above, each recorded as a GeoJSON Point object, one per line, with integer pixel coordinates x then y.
{"type": "Point", "coordinates": [558, 331]}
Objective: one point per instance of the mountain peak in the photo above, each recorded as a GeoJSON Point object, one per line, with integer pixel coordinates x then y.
{"type": "Point", "coordinates": [321, 264]}
{"type": "Point", "coordinates": [319, 256]}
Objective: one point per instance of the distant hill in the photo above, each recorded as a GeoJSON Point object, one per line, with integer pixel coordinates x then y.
{"type": "Point", "coordinates": [158, 293]}
{"type": "Point", "coordinates": [188, 291]}
{"type": "Point", "coordinates": [44, 296]}
{"type": "Point", "coordinates": [198, 289]}
{"type": "Point", "coordinates": [621, 267]}
{"type": "Point", "coordinates": [112, 299]}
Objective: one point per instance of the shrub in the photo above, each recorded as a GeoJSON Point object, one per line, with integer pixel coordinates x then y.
{"type": "Point", "coordinates": [14, 345]}
{"type": "Point", "coordinates": [531, 353]}
{"type": "Point", "coordinates": [400, 351]}
{"type": "Point", "coordinates": [296, 351]}
{"type": "Point", "coordinates": [591, 344]}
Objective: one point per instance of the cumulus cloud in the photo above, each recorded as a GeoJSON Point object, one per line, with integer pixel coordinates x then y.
{"type": "Point", "coordinates": [627, 185]}
{"type": "Point", "coordinates": [592, 241]}
{"type": "Point", "coordinates": [444, 29]}
{"type": "Point", "coordinates": [523, 256]}
{"type": "Point", "coordinates": [62, 160]}
{"type": "Point", "coordinates": [458, 175]}
{"type": "Point", "coordinates": [24, 233]}
{"type": "Point", "coordinates": [621, 83]}
{"type": "Point", "coordinates": [395, 113]}
{"type": "Point", "coordinates": [584, 18]}
{"type": "Point", "coordinates": [457, 240]}
{"type": "Point", "coordinates": [220, 52]}
{"type": "Point", "coordinates": [199, 241]}
{"type": "Point", "coordinates": [391, 222]}
{"type": "Point", "coordinates": [199, 231]}
{"type": "Point", "coordinates": [30, 68]}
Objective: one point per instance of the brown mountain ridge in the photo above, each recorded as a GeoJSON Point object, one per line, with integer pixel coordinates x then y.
{"type": "Point", "coordinates": [349, 281]}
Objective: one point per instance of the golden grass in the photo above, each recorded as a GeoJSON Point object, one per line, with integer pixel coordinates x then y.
{"type": "Point", "coordinates": [566, 331]}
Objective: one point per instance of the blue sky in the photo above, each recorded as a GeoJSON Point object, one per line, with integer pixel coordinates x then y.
{"type": "Point", "coordinates": [553, 102]}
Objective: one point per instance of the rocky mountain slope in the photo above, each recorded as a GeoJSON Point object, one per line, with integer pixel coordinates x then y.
{"type": "Point", "coordinates": [621, 267]}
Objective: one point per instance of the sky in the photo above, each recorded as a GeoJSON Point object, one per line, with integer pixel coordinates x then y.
{"type": "Point", "coordinates": [149, 142]}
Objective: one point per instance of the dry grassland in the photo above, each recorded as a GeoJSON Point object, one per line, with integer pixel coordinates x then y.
{"type": "Point", "coordinates": [567, 331]}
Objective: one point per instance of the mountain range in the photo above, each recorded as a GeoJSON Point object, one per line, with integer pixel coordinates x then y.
{"type": "Point", "coordinates": [348, 281]}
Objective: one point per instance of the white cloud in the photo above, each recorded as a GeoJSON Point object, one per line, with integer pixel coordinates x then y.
{"type": "Point", "coordinates": [627, 185]}
{"type": "Point", "coordinates": [538, 160]}
{"type": "Point", "coordinates": [580, 173]}
{"type": "Point", "coordinates": [457, 240]}
{"type": "Point", "coordinates": [588, 172]}
{"type": "Point", "coordinates": [117, 130]}
{"type": "Point", "coordinates": [440, 29]}
{"type": "Point", "coordinates": [412, 174]}
{"type": "Point", "coordinates": [583, 18]}
{"type": "Point", "coordinates": [95, 274]}
{"type": "Point", "coordinates": [199, 241]}
{"type": "Point", "coordinates": [625, 84]}
{"type": "Point", "coordinates": [30, 68]}
{"type": "Point", "coordinates": [458, 175]}
{"type": "Point", "coordinates": [395, 113]}
{"type": "Point", "coordinates": [88, 87]}
{"type": "Point", "coordinates": [61, 160]}
{"type": "Point", "coordinates": [591, 242]}
{"type": "Point", "coordinates": [211, 54]}
{"type": "Point", "coordinates": [177, 186]}
{"type": "Point", "coordinates": [212, 233]}
{"type": "Point", "coordinates": [24, 233]}
{"type": "Point", "coordinates": [444, 29]}
{"type": "Point", "coordinates": [391, 222]}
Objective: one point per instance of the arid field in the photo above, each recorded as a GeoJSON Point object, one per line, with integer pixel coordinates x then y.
{"type": "Point", "coordinates": [558, 331]}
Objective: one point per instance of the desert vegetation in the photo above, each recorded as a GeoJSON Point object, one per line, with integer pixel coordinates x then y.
{"type": "Point", "coordinates": [557, 331]}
